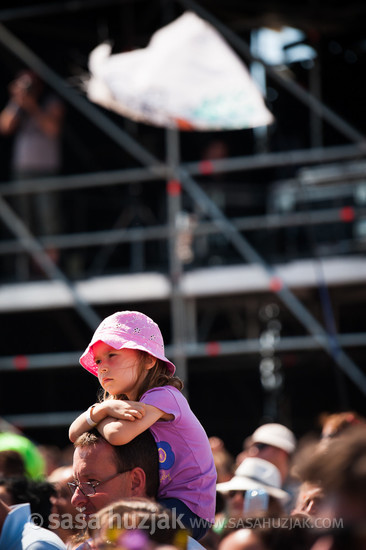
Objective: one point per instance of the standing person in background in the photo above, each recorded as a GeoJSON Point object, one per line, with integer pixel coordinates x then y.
{"type": "Point", "coordinates": [35, 118]}
{"type": "Point", "coordinates": [141, 392]}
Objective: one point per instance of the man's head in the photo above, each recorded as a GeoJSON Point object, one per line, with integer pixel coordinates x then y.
{"type": "Point", "coordinates": [340, 468]}
{"type": "Point", "coordinates": [275, 443]}
{"type": "Point", "coordinates": [11, 464]}
{"type": "Point", "coordinates": [115, 472]}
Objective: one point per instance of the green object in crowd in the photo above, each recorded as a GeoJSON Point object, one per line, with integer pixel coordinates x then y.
{"type": "Point", "coordinates": [33, 460]}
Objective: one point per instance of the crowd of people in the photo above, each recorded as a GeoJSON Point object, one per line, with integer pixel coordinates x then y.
{"type": "Point", "coordinates": [143, 474]}
{"type": "Point", "coordinates": [276, 493]}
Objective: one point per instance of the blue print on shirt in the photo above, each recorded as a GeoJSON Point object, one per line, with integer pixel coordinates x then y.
{"type": "Point", "coordinates": [166, 455]}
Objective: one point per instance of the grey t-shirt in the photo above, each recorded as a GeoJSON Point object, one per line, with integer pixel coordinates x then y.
{"type": "Point", "coordinates": [34, 151]}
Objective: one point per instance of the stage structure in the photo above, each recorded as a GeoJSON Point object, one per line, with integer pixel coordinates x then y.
{"type": "Point", "coordinates": [322, 173]}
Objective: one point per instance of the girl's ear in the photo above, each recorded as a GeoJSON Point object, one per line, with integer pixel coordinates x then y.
{"type": "Point", "coordinates": [150, 362]}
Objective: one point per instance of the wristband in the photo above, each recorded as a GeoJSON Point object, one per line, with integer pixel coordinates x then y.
{"type": "Point", "coordinates": [91, 422]}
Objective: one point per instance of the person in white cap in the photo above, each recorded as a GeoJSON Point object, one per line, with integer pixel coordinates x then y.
{"type": "Point", "coordinates": [272, 442]}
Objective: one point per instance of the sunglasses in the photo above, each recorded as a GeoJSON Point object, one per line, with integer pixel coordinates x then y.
{"type": "Point", "coordinates": [261, 446]}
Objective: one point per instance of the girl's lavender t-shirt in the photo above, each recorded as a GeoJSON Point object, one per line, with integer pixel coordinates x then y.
{"type": "Point", "coordinates": [186, 466]}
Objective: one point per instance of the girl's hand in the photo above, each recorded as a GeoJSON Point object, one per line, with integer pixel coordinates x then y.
{"type": "Point", "coordinates": [125, 410]}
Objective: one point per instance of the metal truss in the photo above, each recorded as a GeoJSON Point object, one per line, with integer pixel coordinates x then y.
{"type": "Point", "coordinates": [178, 177]}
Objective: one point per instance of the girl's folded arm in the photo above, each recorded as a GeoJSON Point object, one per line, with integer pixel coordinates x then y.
{"type": "Point", "coordinates": [127, 410]}
{"type": "Point", "coordinates": [120, 432]}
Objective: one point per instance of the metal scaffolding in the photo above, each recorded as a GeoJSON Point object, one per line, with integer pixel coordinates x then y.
{"type": "Point", "coordinates": [179, 178]}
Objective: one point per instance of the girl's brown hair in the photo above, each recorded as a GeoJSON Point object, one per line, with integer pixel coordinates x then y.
{"type": "Point", "coordinates": [156, 377]}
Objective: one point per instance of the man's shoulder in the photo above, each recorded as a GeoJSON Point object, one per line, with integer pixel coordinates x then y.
{"type": "Point", "coordinates": [19, 532]}
{"type": "Point", "coordinates": [39, 538]}
{"type": "Point", "coordinates": [43, 545]}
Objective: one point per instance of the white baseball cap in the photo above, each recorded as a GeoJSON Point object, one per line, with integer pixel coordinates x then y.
{"type": "Point", "coordinates": [276, 435]}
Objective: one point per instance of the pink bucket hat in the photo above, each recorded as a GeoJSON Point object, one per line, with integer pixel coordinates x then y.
{"type": "Point", "coordinates": [127, 329]}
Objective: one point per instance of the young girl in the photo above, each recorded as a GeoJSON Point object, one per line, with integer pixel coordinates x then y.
{"type": "Point", "coordinates": [140, 392]}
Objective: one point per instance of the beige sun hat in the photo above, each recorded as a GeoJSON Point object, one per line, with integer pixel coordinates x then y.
{"type": "Point", "coordinates": [255, 473]}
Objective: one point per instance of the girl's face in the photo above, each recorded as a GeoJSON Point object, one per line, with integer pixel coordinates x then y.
{"type": "Point", "coordinates": [119, 371]}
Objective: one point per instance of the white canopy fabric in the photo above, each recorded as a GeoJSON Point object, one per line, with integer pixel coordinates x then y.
{"type": "Point", "coordinates": [187, 78]}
